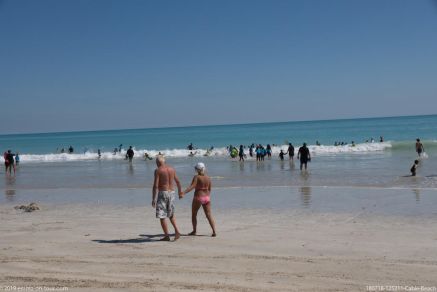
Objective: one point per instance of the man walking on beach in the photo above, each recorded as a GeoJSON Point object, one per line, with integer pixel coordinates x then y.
{"type": "Point", "coordinates": [164, 202]}
{"type": "Point", "coordinates": [304, 155]}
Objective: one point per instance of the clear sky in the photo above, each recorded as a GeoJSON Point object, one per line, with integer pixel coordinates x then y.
{"type": "Point", "coordinates": [100, 64]}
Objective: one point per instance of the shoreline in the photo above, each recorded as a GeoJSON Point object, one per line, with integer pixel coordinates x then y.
{"type": "Point", "coordinates": [86, 246]}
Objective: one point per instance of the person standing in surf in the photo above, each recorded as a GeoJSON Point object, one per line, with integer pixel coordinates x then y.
{"type": "Point", "coordinates": [241, 153]}
{"type": "Point", "coordinates": [304, 155]}
{"type": "Point", "coordinates": [163, 196]}
{"type": "Point", "coordinates": [130, 154]}
{"type": "Point", "coordinates": [419, 147]}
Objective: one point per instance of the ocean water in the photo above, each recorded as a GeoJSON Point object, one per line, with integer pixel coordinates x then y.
{"type": "Point", "coordinates": [368, 164]}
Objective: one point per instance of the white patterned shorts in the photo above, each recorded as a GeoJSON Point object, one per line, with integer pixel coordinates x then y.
{"type": "Point", "coordinates": [165, 204]}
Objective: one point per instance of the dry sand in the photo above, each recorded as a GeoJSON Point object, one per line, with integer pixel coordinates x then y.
{"type": "Point", "coordinates": [86, 247]}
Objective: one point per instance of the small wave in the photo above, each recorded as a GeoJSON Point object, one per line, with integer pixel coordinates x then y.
{"type": "Point", "coordinates": [181, 153]}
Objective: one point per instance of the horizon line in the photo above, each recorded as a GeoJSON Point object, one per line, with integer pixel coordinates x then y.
{"type": "Point", "coordinates": [214, 125]}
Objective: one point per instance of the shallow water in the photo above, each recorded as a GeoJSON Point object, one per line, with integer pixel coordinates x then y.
{"type": "Point", "coordinates": [351, 200]}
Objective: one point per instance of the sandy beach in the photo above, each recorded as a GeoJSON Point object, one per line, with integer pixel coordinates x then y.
{"type": "Point", "coordinates": [89, 246]}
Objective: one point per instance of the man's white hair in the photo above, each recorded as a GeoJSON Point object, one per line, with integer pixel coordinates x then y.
{"type": "Point", "coordinates": [160, 159]}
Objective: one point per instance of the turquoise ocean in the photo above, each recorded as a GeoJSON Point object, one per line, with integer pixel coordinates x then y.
{"type": "Point", "coordinates": [368, 164]}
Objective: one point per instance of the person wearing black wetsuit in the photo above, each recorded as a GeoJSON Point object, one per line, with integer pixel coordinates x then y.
{"type": "Point", "coordinates": [290, 151]}
{"type": "Point", "coordinates": [130, 153]}
{"type": "Point", "coordinates": [304, 155]}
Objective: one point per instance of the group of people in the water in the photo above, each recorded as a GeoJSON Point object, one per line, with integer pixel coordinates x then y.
{"type": "Point", "coordinates": [337, 143]}
{"type": "Point", "coordinates": [69, 150]}
{"type": "Point", "coordinates": [260, 152]}
{"type": "Point", "coordinates": [420, 150]}
{"type": "Point", "coordinates": [11, 160]}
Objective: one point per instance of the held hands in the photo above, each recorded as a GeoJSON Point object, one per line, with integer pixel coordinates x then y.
{"type": "Point", "coordinates": [181, 195]}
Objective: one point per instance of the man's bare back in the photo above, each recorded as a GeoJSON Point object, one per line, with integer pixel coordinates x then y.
{"type": "Point", "coordinates": [164, 203]}
{"type": "Point", "coordinates": [164, 177]}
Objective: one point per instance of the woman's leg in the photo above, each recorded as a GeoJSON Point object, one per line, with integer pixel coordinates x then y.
{"type": "Point", "coordinates": [207, 209]}
{"type": "Point", "coordinates": [194, 209]}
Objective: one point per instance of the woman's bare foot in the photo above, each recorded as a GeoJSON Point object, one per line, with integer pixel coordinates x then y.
{"type": "Point", "coordinates": [192, 233]}
{"type": "Point", "coordinates": [177, 236]}
{"type": "Point", "coordinates": [214, 235]}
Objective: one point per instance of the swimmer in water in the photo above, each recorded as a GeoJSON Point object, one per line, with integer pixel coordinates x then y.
{"type": "Point", "coordinates": [414, 167]}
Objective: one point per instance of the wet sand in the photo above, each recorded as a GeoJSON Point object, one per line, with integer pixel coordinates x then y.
{"type": "Point", "coordinates": [89, 246]}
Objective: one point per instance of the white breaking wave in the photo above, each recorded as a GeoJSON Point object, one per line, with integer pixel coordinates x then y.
{"type": "Point", "coordinates": [180, 153]}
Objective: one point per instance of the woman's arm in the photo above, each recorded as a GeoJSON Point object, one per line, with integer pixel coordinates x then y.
{"type": "Point", "coordinates": [192, 186]}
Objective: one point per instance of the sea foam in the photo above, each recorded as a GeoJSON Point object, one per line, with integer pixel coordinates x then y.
{"type": "Point", "coordinates": [217, 152]}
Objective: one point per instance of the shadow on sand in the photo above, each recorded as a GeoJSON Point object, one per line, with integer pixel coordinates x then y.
{"type": "Point", "coordinates": [142, 239]}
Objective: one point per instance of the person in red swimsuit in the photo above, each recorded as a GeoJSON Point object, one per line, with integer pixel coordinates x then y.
{"type": "Point", "coordinates": [202, 185]}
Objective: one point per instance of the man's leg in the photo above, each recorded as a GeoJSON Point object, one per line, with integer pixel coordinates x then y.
{"type": "Point", "coordinates": [165, 229]}
{"type": "Point", "coordinates": [176, 230]}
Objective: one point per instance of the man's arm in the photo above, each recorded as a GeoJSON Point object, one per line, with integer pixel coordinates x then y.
{"type": "Point", "coordinates": [155, 188]}
{"type": "Point", "coordinates": [178, 184]}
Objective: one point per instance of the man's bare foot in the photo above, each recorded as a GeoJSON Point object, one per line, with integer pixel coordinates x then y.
{"type": "Point", "coordinates": [177, 236]}
{"type": "Point", "coordinates": [214, 235]}
{"type": "Point", "coordinates": [165, 238]}
{"type": "Point", "coordinates": [192, 233]}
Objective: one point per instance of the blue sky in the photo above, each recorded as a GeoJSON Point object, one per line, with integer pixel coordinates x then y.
{"type": "Point", "coordinates": [88, 65]}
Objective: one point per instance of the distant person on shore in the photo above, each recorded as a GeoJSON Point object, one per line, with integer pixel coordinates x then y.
{"type": "Point", "coordinates": [119, 147]}
{"type": "Point", "coordinates": [190, 146]}
{"type": "Point", "coordinates": [304, 155]}
{"type": "Point", "coordinates": [290, 151]}
{"type": "Point", "coordinates": [130, 153]}
{"type": "Point", "coordinates": [163, 196]}
{"type": "Point", "coordinates": [419, 147]}
{"type": "Point", "coordinates": [381, 139]}
{"type": "Point", "coordinates": [147, 156]}
{"type": "Point", "coordinates": [70, 149]}
{"type": "Point", "coordinates": [202, 185]}
{"type": "Point", "coordinates": [241, 153]}
{"type": "Point", "coordinates": [414, 167]}
{"type": "Point", "coordinates": [99, 153]}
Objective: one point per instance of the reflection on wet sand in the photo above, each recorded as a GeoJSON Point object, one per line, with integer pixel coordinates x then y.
{"type": "Point", "coordinates": [10, 188]}
{"type": "Point", "coordinates": [305, 196]}
{"type": "Point", "coordinates": [417, 194]}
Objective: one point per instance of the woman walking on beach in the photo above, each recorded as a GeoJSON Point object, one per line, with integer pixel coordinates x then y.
{"type": "Point", "coordinates": [202, 185]}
